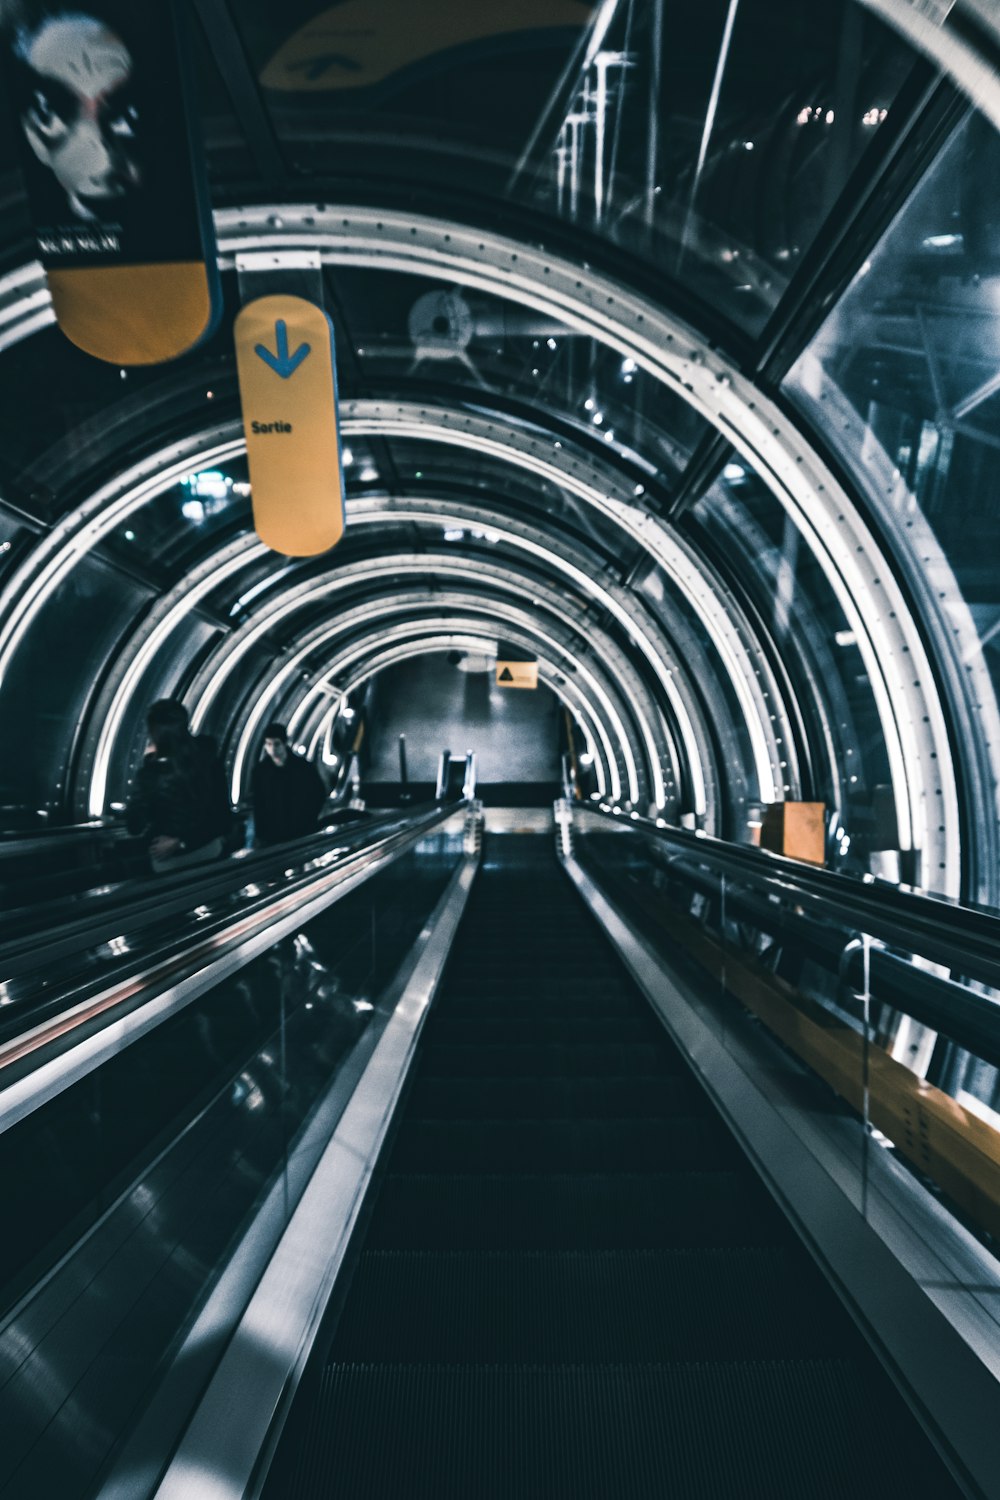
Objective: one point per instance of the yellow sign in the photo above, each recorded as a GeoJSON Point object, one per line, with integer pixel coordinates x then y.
{"type": "Point", "coordinates": [362, 42]}
{"type": "Point", "coordinates": [517, 674]}
{"type": "Point", "coordinates": [134, 315]}
{"type": "Point", "coordinates": [288, 392]}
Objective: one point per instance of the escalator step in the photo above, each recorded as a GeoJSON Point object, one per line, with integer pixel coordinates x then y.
{"type": "Point", "coordinates": [488, 1031]}
{"type": "Point", "coordinates": [501, 985]}
{"type": "Point", "coordinates": [601, 1307]}
{"type": "Point", "coordinates": [586, 1212]}
{"type": "Point", "coordinates": [526, 1000]}
{"type": "Point", "coordinates": [526, 1145]}
{"type": "Point", "coordinates": [795, 1430]}
{"type": "Point", "coordinates": [635, 1060]}
{"type": "Point", "coordinates": [462, 1099]}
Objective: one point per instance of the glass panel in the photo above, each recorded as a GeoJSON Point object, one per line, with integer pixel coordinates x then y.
{"type": "Point", "coordinates": [890, 1059]}
{"type": "Point", "coordinates": [462, 340]}
{"type": "Point", "coordinates": [710, 141]}
{"type": "Point", "coordinates": [767, 563]}
{"type": "Point", "coordinates": [175, 528]}
{"type": "Point", "coordinates": [55, 668]}
{"type": "Point", "coordinates": [130, 1193]}
{"type": "Point", "coordinates": [901, 381]}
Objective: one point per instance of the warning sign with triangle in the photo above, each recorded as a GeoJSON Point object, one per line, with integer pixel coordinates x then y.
{"type": "Point", "coordinates": [517, 674]}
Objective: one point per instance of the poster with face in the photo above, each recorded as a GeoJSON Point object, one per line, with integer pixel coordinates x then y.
{"type": "Point", "coordinates": [97, 93]}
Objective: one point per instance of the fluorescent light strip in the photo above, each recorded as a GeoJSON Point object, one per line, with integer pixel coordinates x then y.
{"type": "Point", "coordinates": [189, 593]}
{"type": "Point", "coordinates": [392, 568]}
{"type": "Point", "coordinates": [292, 663]}
{"type": "Point", "coordinates": [566, 692]}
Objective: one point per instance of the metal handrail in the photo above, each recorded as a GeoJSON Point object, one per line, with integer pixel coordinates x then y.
{"type": "Point", "coordinates": [963, 938]}
{"type": "Point", "coordinates": [134, 904]}
{"type": "Point", "coordinates": [179, 969]}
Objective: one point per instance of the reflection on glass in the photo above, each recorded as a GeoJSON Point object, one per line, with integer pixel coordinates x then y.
{"type": "Point", "coordinates": [890, 1055]}
{"type": "Point", "coordinates": [902, 381]}
{"type": "Point", "coordinates": [802, 626]}
{"type": "Point", "coordinates": [711, 140]}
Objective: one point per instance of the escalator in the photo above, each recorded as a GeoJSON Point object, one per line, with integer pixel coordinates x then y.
{"type": "Point", "coordinates": [172, 1065]}
{"type": "Point", "coordinates": [571, 1282]}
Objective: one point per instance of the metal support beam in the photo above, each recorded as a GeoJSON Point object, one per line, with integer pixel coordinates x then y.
{"type": "Point", "coordinates": [226, 47]}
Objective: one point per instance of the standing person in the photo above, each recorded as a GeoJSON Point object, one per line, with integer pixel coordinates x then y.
{"type": "Point", "coordinates": [288, 791]}
{"type": "Point", "coordinates": [179, 801]}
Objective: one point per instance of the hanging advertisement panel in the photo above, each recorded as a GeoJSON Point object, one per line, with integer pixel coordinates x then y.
{"type": "Point", "coordinates": [114, 184]}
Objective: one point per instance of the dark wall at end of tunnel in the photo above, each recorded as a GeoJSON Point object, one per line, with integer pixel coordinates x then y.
{"type": "Point", "coordinates": [439, 706]}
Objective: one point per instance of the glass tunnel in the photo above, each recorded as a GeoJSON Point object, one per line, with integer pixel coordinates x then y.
{"type": "Point", "coordinates": [668, 358]}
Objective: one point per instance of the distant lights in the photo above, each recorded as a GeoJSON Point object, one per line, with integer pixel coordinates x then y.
{"type": "Point", "coordinates": [368, 474]}
{"type": "Point", "coordinates": [873, 116]}
{"type": "Point", "coordinates": [629, 366]}
{"type": "Point", "coordinates": [209, 484]}
{"type": "Point", "coordinates": [588, 405]}
{"type": "Point", "coordinates": [943, 241]}
{"type": "Point", "coordinates": [550, 343]}
{"type": "Point", "coordinates": [733, 472]}
{"type": "Point", "coordinates": [346, 457]}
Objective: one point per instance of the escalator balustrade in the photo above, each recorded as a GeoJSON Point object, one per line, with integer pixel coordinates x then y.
{"type": "Point", "coordinates": [572, 1283]}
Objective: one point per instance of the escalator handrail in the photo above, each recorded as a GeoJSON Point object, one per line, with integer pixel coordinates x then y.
{"type": "Point", "coordinates": [24, 1049]}
{"type": "Point", "coordinates": [963, 938]}
{"type": "Point", "coordinates": [132, 904]}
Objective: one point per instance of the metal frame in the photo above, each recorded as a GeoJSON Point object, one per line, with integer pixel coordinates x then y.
{"type": "Point", "coordinates": [897, 662]}
{"type": "Point", "coordinates": [239, 1419]}
{"type": "Point", "coordinates": [961, 36]}
{"type": "Point", "coordinates": [554, 642]}
{"type": "Point", "coordinates": [965, 939]}
{"type": "Point", "coordinates": [127, 1012]}
{"type": "Point", "coordinates": [721, 622]}
{"type": "Point", "coordinates": [608, 765]}
{"type": "Point", "coordinates": [921, 1312]}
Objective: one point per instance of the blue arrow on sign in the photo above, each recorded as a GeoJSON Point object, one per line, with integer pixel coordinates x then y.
{"type": "Point", "coordinates": [282, 363]}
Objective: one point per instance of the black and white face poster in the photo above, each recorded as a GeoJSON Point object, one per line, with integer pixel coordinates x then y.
{"type": "Point", "coordinates": [98, 107]}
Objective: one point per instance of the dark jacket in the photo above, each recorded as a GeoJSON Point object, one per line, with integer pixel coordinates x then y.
{"type": "Point", "coordinates": [286, 799]}
{"type": "Point", "coordinates": [182, 795]}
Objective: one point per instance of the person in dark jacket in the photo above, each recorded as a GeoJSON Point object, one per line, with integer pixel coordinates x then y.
{"type": "Point", "coordinates": [288, 791]}
{"type": "Point", "coordinates": [179, 800]}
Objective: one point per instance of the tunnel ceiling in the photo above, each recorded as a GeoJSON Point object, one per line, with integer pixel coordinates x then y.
{"type": "Point", "coordinates": [582, 262]}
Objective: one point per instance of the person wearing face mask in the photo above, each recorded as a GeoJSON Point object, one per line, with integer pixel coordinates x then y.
{"type": "Point", "coordinates": [287, 791]}
{"type": "Point", "coordinates": [74, 92]}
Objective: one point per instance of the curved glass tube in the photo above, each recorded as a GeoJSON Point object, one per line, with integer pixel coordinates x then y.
{"type": "Point", "coordinates": [902, 382]}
